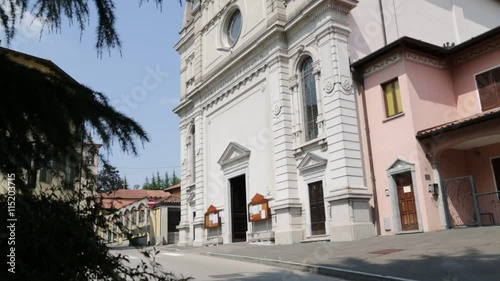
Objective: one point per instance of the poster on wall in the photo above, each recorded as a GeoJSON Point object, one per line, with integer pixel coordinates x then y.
{"type": "Point", "coordinates": [258, 208]}
{"type": "Point", "coordinates": [212, 219]}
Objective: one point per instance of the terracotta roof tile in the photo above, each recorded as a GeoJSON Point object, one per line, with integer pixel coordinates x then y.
{"type": "Point", "coordinates": [176, 186]}
{"type": "Point", "coordinates": [483, 116]}
{"type": "Point", "coordinates": [123, 197]}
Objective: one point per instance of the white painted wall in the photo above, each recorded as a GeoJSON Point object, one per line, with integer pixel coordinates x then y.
{"type": "Point", "coordinates": [432, 21]}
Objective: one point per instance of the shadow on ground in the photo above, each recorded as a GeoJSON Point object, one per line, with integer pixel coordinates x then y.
{"type": "Point", "coordinates": [431, 268]}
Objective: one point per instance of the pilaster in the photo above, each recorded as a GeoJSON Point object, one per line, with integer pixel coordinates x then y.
{"type": "Point", "coordinates": [287, 204]}
{"type": "Point", "coordinates": [346, 193]}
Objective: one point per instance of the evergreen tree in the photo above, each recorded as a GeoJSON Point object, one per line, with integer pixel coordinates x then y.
{"type": "Point", "coordinates": [61, 115]}
{"type": "Point", "coordinates": [53, 12]}
{"type": "Point", "coordinates": [125, 182]}
{"type": "Point", "coordinates": [154, 184]}
{"type": "Point", "coordinates": [109, 179]}
{"type": "Point", "coordinates": [175, 180]}
{"type": "Point", "coordinates": [159, 180]}
{"type": "Point", "coordinates": [146, 185]}
{"type": "Point", "coordinates": [166, 180]}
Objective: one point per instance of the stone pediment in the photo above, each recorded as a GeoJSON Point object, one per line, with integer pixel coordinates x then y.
{"type": "Point", "coordinates": [400, 164]}
{"type": "Point", "coordinates": [311, 161]}
{"type": "Point", "coordinates": [233, 153]}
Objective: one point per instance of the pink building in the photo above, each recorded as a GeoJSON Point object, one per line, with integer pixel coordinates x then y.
{"type": "Point", "coordinates": [430, 119]}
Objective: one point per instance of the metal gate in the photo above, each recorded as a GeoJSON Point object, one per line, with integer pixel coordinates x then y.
{"type": "Point", "coordinates": [461, 202]}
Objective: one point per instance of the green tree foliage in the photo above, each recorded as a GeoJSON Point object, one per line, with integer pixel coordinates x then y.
{"type": "Point", "coordinates": [109, 179]}
{"type": "Point", "coordinates": [45, 118]}
{"type": "Point", "coordinates": [125, 182]}
{"type": "Point", "coordinates": [166, 180]}
{"type": "Point", "coordinates": [56, 241]}
{"type": "Point", "coordinates": [53, 12]}
{"type": "Point", "coordinates": [175, 179]}
{"type": "Point", "coordinates": [61, 114]}
{"type": "Point", "coordinates": [158, 183]}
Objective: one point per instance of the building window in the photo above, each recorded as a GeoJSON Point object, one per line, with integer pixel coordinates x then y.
{"type": "Point", "coordinates": [126, 222]}
{"type": "Point", "coordinates": [70, 173]}
{"type": "Point", "coordinates": [495, 164]}
{"type": "Point", "coordinates": [45, 175]}
{"type": "Point", "coordinates": [234, 27]}
{"type": "Point", "coordinates": [194, 4]}
{"type": "Point", "coordinates": [309, 99]}
{"type": "Point", "coordinates": [89, 158]}
{"type": "Point", "coordinates": [134, 216]}
{"type": "Point", "coordinates": [392, 98]}
{"type": "Point", "coordinates": [142, 214]}
{"type": "Point", "coordinates": [488, 85]}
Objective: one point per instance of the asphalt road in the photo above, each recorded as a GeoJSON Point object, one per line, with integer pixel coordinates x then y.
{"type": "Point", "coordinates": [207, 268]}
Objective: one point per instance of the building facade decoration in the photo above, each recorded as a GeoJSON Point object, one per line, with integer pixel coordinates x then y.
{"type": "Point", "coordinates": [263, 127]}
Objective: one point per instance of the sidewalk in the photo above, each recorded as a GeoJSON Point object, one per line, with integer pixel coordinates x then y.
{"type": "Point", "coordinates": [450, 255]}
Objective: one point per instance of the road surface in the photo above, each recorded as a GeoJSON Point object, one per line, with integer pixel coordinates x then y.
{"type": "Point", "coordinates": [208, 268]}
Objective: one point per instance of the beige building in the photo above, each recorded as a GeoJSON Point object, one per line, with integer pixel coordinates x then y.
{"type": "Point", "coordinates": [70, 176]}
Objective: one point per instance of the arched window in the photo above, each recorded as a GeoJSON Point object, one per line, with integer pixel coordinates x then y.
{"type": "Point", "coordinates": [126, 216]}
{"type": "Point", "coordinates": [192, 154]}
{"type": "Point", "coordinates": [309, 98]}
{"type": "Point", "coordinates": [134, 216]}
{"type": "Point", "coordinates": [142, 214]}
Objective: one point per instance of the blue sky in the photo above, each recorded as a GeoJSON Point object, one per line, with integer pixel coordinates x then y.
{"type": "Point", "coordinates": [143, 82]}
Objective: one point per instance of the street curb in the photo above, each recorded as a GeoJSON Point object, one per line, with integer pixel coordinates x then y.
{"type": "Point", "coordinates": [317, 269]}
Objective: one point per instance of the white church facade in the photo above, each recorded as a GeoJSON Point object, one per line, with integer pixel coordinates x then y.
{"type": "Point", "coordinates": [269, 108]}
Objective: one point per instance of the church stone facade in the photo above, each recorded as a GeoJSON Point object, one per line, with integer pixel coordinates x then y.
{"type": "Point", "coordinates": [268, 107]}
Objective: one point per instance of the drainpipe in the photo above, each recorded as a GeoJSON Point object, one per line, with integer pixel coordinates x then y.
{"type": "Point", "coordinates": [361, 89]}
{"type": "Point", "coordinates": [382, 18]}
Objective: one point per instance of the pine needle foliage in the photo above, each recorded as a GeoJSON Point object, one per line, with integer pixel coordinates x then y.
{"type": "Point", "coordinates": [45, 114]}
{"type": "Point", "coordinates": [52, 13]}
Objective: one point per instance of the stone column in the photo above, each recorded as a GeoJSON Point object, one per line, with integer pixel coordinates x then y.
{"type": "Point", "coordinates": [286, 205]}
{"type": "Point", "coordinates": [199, 208]}
{"type": "Point", "coordinates": [183, 226]}
{"type": "Point", "coordinates": [345, 190]}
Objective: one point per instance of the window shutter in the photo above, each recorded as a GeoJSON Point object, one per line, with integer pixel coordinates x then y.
{"type": "Point", "coordinates": [488, 85]}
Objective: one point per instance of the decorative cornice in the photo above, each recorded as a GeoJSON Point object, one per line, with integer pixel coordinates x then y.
{"type": "Point", "coordinates": [483, 49]}
{"type": "Point", "coordinates": [297, 24]}
{"type": "Point", "coordinates": [382, 64]}
{"type": "Point", "coordinates": [425, 60]}
{"type": "Point", "coordinates": [217, 16]}
{"type": "Point", "coordinates": [224, 90]}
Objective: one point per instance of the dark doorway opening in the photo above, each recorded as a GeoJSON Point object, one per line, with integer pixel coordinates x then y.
{"type": "Point", "coordinates": [317, 205]}
{"type": "Point", "coordinates": [239, 208]}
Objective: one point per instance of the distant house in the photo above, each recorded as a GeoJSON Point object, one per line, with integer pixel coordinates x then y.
{"type": "Point", "coordinates": [174, 189]}
{"type": "Point", "coordinates": [70, 176]}
{"type": "Point", "coordinates": [153, 226]}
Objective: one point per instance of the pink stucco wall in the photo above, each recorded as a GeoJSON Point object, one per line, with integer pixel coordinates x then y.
{"type": "Point", "coordinates": [464, 83]}
{"type": "Point", "coordinates": [479, 165]}
{"type": "Point", "coordinates": [394, 139]}
{"type": "Point", "coordinates": [453, 164]}
{"type": "Point", "coordinates": [431, 94]}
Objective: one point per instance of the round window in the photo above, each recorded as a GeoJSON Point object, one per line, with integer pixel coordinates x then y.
{"type": "Point", "coordinates": [234, 27]}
